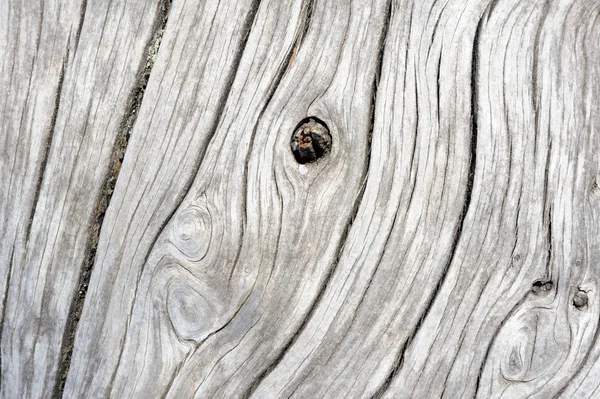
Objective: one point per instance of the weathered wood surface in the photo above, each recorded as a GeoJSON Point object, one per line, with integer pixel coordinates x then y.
{"type": "Point", "coordinates": [68, 71]}
{"type": "Point", "coordinates": [448, 246]}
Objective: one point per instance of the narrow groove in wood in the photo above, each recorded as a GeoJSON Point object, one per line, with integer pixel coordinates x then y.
{"type": "Point", "coordinates": [248, 23]}
{"type": "Point", "coordinates": [467, 202]}
{"type": "Point", "coordinates": [38, 185]}
{"type": "Point", "coordinates": [354, 212]}
{"type": "Point", "coordinates": [104, 196]}
{"type": "Point", "coordinates": [46, 149]}
{"type": "Point", "coordinates": [310, 6]}
{"type": "Point", "coordinates": [5, 300]}
{"type": "Point", "coordinates": [81, 21]}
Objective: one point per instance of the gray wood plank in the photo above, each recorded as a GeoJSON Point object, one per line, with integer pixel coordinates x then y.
{"type": "Point", "coordinates": [375, 330]}
{"type": "Point", "coordinates": [33, 52]}
{"type": "Point", "coordinates": [36, 42]}
{"type": "Point", "coordinates": [100, 64]}
{"type": "Point", "coordinates": [447, 246]}
{"type": "Point", "coordinates": [546, 345]}
{"type": "Point", "coordinates": [503, 247]}
{"type": "Point", "coordinates": [182, 105]}
{"type": "Point", "coordinates": [405, 229]}
{"type": "Point", "coordinates": [229, 267]}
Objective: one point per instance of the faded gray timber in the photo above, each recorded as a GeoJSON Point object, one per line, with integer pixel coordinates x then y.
{"type": "Point", "coordinates": [161, 240]}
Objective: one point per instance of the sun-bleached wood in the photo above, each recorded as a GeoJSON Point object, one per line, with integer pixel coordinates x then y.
{"type": "Point", "coordinates": [182, 103]}
{"type": "Point", "coordinates": [448, 246]}
{"type": "Point", "coordinates": [65, 87]}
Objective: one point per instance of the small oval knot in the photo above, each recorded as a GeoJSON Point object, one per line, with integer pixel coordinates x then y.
{"type": "Point", "coordinates": [311, 140]}
{"type": "Point", "coordinates": [192, 231]}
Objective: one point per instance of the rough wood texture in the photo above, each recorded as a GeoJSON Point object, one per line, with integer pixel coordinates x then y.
{"type": "Point", "coordinates": [447, 246]}
{"type": "Point", "coordinates": [82, 62]}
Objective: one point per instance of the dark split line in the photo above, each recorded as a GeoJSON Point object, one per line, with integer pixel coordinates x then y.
{"type": "Point", "coordinates": [38, 187]}
{"type": "Point", "coordinates": [186, 188]}
{"type": "Point", "coordinates": [106, 192]}
{"type": "Point", "coordinates": [467, 202]}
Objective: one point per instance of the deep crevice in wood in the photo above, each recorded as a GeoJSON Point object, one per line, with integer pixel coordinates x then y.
{"type": "Point", "coordinates": [467, 202]}
{"type": "Point", "coordinates": [310, 6]}
{"type": "Point", "coordinates": [81, 21]}
{"type": "Point", "coordinates": [105, 194]}
{"type": "Point", "coordinates": [354, 212]}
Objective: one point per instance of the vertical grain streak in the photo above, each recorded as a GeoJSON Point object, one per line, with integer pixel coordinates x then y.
{"type": "Point", "coordinates": [247, 26]}
{"type": "Point", "coordinates": [467, 202]}
{"type": "Point", "coordinates": [38, 185]}
{"type": "Point", "coordinates": [104, 196]}
{"type": "Point", "coordinates": [81, 21]}
{"type": "Point", "coordinates": [549, 232]}
{"type": "Point", "coordinates": [46, 148]}
{"type": "Point", "coordinates": [352, 216]}
{"type": "Point", "coordinates": [437, 81]}
{"type": "Point", "coordinates": [534, 76]}
{"type": "Point", "coordinates": [270, 94]}
{"type": "Point", "coordinates": [5, 298]}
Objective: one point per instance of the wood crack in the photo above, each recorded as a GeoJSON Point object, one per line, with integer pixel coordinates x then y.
{"type": "Point", "coordinates": [118, 153]}
{"type": "Point", "coordinates": [80, 26]}
{"type": "Point", "coordinates": [44, 159]}
{"type": "Point", "coordinates": [4, 301]}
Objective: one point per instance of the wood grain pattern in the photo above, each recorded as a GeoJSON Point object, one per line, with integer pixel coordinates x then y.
{"type": "Point", "coordinates": [34, 53]}
{"type": "Point", "coordinates": [447, 246]}
{"type": "Point", "coordinates": [177, 118]}
{"type": "Point", "coordinates": [88, 77]}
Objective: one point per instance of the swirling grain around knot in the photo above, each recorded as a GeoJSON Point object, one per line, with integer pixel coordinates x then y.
{"type": "Point", "coordinates": [191, 313]}
{"type": "Point", "coordinates": [192, 230]}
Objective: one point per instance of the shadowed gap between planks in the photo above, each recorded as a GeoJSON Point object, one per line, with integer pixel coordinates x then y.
{"type": "Point", "coordinates": [107, 189]}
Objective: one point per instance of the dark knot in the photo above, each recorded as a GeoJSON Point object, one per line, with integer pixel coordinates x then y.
{"type": "Point", "coordinates": [311, 140]}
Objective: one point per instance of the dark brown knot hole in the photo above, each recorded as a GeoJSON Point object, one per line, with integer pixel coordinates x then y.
{"type": "Point", "coordinates": [542, 287]}
{"type": "Point", "coordinates": [311, 140]}
{"type": "Point", "coordinates": [580, 300]}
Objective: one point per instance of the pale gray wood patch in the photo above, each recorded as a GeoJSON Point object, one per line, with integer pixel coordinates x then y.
{"type": "Point", "coordinates": [36, 42]}
{"type": "Point", "coordinates": [84, 60]}
{"type": "Point", "coordinates": [182, 103]}
{"type": "Point", "coordinates": [447, 246]}
{"type": "Point", "coordinates": [34, 51]}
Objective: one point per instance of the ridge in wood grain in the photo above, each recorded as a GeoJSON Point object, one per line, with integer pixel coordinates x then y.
{"type": "Point", "coordinates": [105, 194]}
{"type": "Point", "coordinates": [176, 120]}
{"type": "Point", "coordinates": [96, 76]}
